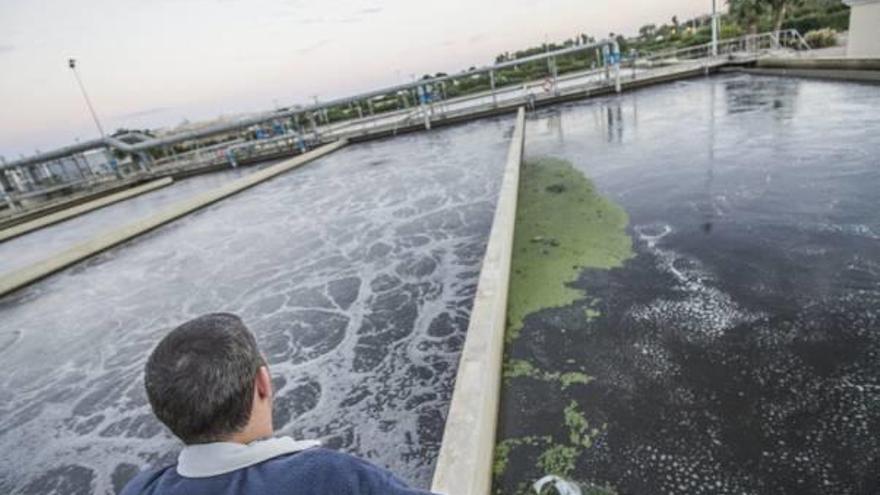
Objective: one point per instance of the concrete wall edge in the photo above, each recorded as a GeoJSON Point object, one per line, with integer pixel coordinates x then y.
{"type": "Point", "coordinates": [75, 211]}
{"type": "Point", "coordinates": [464, 465]}
{"type": "Point", "coordinates": [26, 276]}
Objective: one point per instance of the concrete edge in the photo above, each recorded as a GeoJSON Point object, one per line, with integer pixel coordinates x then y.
{"type": "Point", "coordinates": [503, 109]}
{"type": "Point", "coordinates": [860, 76]}
{"type": "Point", "coordinates": [50, 207]}
{"type": "Point", "coordinates": [41, 269]}
{"type": "Point", "coordinates": [66, 214]}
{"type": "Point", "coordinates": [464, 465]}
{"type": "Point", "coordinates": [855, 64]}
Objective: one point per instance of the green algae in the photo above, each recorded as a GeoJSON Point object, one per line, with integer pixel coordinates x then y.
{"type": "Point", "coordinates": [515, 368]}
{"type": "Point", "coordinates": [503, 448]}
{"type": "Point", "coordinates": [558, 460]}
{"type": "Point", "coordinates": [579, 433]}
{"type": "Point", "coordinates": [563, 226]}
{"type": "Point", "coordinates": [571, 377]}
{"type": "Point", "coordinates": [591, 314]}
{"type": "Point", "coordinates": [499, 460]}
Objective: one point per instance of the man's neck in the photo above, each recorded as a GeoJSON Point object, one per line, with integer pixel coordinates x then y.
{"type": "Point", "coordinates": [248, 435]}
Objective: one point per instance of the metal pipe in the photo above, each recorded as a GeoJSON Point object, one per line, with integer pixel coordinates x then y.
{"type": "Point", "coordinates": [258, 119]}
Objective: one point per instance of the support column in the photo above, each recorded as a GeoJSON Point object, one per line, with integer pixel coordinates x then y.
{"type": "Point", "coordinates": [79, 169]}
{"type": "Point", "coordinates": [615, 54]}
{"type": "Point", "coordinates": [605, 62]}
{"type": "Point", "coordinates": [492, 84]}
{"type": "Point", "coordinates": [5, 191]}
{"type": "Point", "coordinates": [146, 161]}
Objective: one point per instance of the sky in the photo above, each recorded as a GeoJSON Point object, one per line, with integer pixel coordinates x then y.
{"type": "Point", "coordinates": [154, 63]}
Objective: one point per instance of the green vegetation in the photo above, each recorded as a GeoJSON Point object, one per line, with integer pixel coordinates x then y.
{"type": "Point", "coordinates": [558, 460]}
{"type": "Point", "coordinates": [503, 448]}
{"type": "Point", "coordinates": [821, 38]}
{"type": "Point", "coordinates": [563, 226]}
{"type": "Point", "coordinates": [555, 458]}
{"type": "Point", "coordinates": [515, 368]}
{"type": "Point", "coordinates": [765, 15]}
{"type": "Point", "coordinates": [744, 16]}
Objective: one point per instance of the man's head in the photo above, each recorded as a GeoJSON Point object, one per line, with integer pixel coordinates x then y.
{"type": "Point", "coordinates": [208, 382]}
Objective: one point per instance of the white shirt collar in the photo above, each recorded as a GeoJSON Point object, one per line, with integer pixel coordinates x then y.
{"type": "Point", "coordinates": [212, 459]}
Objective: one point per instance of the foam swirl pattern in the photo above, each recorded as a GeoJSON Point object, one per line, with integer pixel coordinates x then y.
{"type": "Point", "coordinates": [356, 272]}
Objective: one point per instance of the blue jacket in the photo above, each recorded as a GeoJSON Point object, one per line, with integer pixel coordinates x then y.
{"type": "Point", "coordinates": [314, 471]}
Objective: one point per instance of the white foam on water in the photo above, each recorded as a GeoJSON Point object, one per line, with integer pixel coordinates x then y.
{"type": "Point", "coordinates": [356, 278]}
{"type": "Point", "coordinates": [704, 312]}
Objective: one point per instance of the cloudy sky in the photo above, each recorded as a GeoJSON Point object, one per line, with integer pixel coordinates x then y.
{"type": "Point", "coordinates": [153, 63]}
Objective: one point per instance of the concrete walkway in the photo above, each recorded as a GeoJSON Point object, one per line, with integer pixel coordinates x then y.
{"type": "Point", "coordinates": [464, 466]}
{"type": "Point", "coordinates": [41, 269]}
{"type": "Point", "coordinates": [60, 216]}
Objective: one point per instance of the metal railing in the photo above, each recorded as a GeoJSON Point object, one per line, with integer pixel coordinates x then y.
{"type": "Point", "coordinates": [439, 107]}
{"type": "Point", "coordinates": [750, 44]}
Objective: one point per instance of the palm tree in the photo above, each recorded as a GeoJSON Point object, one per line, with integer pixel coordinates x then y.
{"type": "Point", "coordinates": [748, 12]}
{"type": "Point", "coordinates": [778, 9]}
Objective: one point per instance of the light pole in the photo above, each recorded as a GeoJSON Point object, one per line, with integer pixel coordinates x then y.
{"type": "Point", "coordinates": [72, 64]}
{"type": "Point", "coordinates": [714, 29]}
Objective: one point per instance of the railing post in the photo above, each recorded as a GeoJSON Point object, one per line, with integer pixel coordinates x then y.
{"type": "Point", "coordinates": [605, 62]}
{"type": "Point", "coordinates": [492, 84]}
{"type": "Point", "coordinates": [6, 194]}
{"type": "Point", "coordinates": [616, 54]}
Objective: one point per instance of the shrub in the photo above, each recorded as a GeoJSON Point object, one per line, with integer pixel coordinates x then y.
{"type": "Point", "coordinates": [838, 21]}
{"type": "Point", "coordinates": [821, 38]}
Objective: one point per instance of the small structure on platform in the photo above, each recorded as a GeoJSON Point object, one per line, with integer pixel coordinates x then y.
{"type": "Point", "coordinates": [864, 29]}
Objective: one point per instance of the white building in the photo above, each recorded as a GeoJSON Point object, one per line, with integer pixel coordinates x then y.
{"type": "Point", "coordinates": [864, 29]}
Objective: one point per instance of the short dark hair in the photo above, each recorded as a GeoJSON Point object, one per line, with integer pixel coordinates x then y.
{"type": "Point", "coordinates": [200, 378]}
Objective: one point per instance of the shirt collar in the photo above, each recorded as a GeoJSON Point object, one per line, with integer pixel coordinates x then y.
{"type": "Point", "coordinates": [212, 459]}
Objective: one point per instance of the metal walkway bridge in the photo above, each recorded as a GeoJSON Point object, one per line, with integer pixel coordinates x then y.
{"type": "Point", "coordinates": [420, 104]}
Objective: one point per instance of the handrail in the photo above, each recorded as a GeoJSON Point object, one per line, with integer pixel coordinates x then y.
{"type": "Point", "coordinates": [749, 40]}
{"type": "Point", "coordinates": [282, 114]}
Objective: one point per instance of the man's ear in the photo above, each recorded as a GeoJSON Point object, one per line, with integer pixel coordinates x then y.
{"type": "Point", "coordinates": [263, 383]}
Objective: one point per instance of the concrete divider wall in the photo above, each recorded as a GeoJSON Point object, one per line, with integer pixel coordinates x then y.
{"type": "Point", "coordinates": [819, 63]}
{"type": "Point", "coordinates": [464, 466]}
{"type": "Point", "coordinates": [864, 70]}
{"type": "Point", "coordinates": [11, 219]}
{"type": "Point", "coordinates": [41, 269]}
{"type": "Point", "coordinates": [66, 214]}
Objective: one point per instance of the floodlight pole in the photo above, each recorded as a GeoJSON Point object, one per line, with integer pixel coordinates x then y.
{"type": "Point", "coordinates": [72, 64]}
{"type": "Point", "coordinates": [714, 29]}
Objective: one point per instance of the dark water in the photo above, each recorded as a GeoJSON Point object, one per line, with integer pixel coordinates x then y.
{"type": "Point", "coordinates": [739, 350]}
{"type": "Point", "coordinates": [356, 273]}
